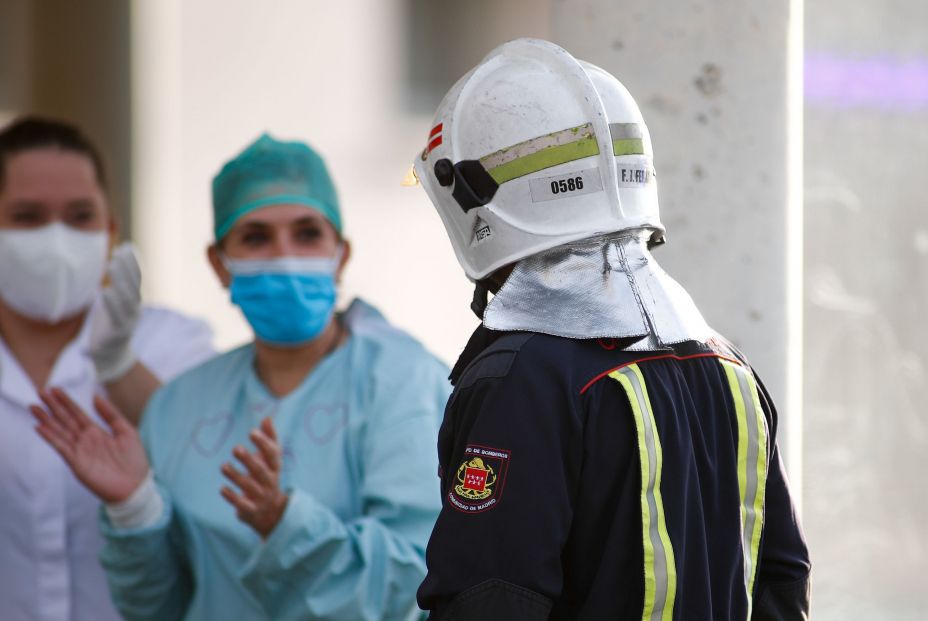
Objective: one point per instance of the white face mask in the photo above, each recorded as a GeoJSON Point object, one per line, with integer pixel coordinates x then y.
{"type": "Point", "coordinates": [52, 272]}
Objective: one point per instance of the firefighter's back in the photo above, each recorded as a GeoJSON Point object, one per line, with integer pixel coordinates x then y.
{"type": "Point", "coordinates": [679, 454]}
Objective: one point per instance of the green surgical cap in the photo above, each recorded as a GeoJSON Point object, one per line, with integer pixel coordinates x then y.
{"type": "Point", "coordinates": [270, 172]}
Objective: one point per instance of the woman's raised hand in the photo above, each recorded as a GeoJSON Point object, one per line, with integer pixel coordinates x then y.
{"type": "Point", "coordinates": [111, 464]}
{"type": "Point", "coordinates": [260, 502]}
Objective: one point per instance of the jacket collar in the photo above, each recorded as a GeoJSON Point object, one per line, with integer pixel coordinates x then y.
{"type": "Point", "coordinates": [72, 369]}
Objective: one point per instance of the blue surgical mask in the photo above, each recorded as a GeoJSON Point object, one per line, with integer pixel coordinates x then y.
{"type": "Point", "coordinates": [289, 300]}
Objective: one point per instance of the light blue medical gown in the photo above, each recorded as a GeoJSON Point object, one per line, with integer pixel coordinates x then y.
{"type": "Point", "coordinates": [360, 463]}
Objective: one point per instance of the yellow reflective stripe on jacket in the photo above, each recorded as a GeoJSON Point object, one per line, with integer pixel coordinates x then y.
{"type": "Point", "coordinates": [660, 573]}
{"type": "Point", "coordinates": [752, 465]}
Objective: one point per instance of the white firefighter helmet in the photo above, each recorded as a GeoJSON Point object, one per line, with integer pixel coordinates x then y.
{"type": "Point", "coordinates": [533, 149]}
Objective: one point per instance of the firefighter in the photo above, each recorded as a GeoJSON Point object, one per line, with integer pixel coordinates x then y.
{"type": "Point", "coordinates": [605, 454]}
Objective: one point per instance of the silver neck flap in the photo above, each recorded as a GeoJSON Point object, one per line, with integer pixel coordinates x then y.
{"type": "Point", "coordinates": [605, 286]}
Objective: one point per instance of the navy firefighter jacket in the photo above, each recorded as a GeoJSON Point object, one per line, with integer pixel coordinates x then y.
{"type": "Point", "coordinates": [584, 482]}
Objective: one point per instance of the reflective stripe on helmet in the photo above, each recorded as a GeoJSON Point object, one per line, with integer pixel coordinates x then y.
{"type": "Point", "coordinates": [543, 152]}
{"type": "Point", "coordinates": [660, 572]}
{"type": "Point", "coordinates": [560, 147]}
{"type": "Point", "coordinates": [752, 465]}
{"type": "Point", "coordinates": [627, 139]}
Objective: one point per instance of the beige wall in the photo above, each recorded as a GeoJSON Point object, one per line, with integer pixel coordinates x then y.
{"type": "Point", "coordinates": [866, 261]}
{"type": "Point", "coordinates": [70, 60]}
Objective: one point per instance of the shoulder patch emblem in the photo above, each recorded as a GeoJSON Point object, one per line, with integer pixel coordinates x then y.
{"type": "Point", "coordinates": [478, 482]}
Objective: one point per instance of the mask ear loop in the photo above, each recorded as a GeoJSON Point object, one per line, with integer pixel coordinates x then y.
{"type": "Point", "coordinates": [225, 260]}
{"type": "Point", "coordinates": [338, 317]}
{"type": "Point", "coordinates": [337, 261]}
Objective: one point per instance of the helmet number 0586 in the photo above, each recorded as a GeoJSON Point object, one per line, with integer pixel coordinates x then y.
{"type": "Point", "coordinates": [566, 185]}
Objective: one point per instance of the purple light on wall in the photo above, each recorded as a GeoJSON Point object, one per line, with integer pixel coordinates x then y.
{"type": "Point", "coordinates": [883, 83]}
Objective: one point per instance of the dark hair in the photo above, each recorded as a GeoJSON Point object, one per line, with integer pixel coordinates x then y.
{"type": "Point", "coordinates": [30, 132]}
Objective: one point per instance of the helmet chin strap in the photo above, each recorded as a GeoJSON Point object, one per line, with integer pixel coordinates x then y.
{"type": "Point", "coordinates": [491, 283]}
{"type": "Point", "coordinates": [479, 304]}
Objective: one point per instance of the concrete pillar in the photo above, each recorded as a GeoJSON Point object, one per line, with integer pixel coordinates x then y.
{"type": "Point", "coordinates": [719, 86]}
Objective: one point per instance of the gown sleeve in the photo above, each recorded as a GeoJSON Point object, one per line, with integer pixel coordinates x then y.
{"type": "Point", "coordinates": [316, 565]}
{"type": "Point", "coordinates": [146, 568]}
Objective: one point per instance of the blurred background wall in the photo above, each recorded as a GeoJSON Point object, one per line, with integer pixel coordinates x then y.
{"type": "Point", "coordinates": [866, 265]}
{"type": "Point", "coordinates": [794, 215]}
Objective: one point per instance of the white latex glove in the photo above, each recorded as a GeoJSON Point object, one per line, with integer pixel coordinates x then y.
{"type": "Point", "coordinates": [116, 315]}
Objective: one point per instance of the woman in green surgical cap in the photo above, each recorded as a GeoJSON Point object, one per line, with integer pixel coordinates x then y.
{"type": "Point", "coordinates": [294, 477]}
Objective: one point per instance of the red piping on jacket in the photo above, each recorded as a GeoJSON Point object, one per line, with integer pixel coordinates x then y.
{"type": "Point", "coordinates": [673, 356]}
